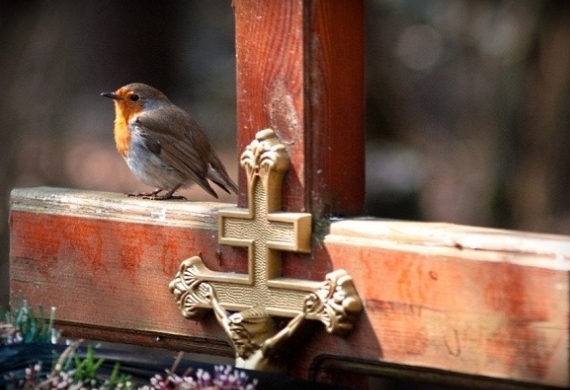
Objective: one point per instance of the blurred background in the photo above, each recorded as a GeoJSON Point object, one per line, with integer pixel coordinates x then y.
{"type": "Point", "coordinates": [468, 102]}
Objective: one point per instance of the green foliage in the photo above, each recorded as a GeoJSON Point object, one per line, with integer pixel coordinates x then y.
{"type": "Point", "coordinates": [70, 371]}
{"type": "Point", "coordinates": [24, 325]}
{"type": "Point", "coordinates": [85, 369]}
{"type": "Point", "coordinates": [118, 379]}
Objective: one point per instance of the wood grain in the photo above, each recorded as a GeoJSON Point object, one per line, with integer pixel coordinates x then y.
{"type": "Point", "coordinates": [300, 71]}
{"type": "Point", "coordinates": [457, 298]}
{"type": "Point", "coordinates": [472, 301]}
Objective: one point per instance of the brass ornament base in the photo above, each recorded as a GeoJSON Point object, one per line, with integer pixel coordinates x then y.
{"type": "Point", "coordinates": [249, 306]}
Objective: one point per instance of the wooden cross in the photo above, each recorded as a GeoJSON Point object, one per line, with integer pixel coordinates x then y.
{"type": "Point", "coordinates": [479, 306]}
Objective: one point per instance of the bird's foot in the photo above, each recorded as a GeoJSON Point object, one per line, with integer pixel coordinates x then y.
{"type": "Point", "coordinates": [144, 195]}
{"type": "Point", "coordinates": [154, 195]}
{"type": "Point", "coordinates": [163, 197]}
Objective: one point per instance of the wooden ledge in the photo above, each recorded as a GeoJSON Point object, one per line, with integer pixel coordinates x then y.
{"type": "Point", "coordinates": [541, 250]}
{"type": "Point", "coordinates": [116, 206]}
{"type": "Point", "coordinates": [469, 300]}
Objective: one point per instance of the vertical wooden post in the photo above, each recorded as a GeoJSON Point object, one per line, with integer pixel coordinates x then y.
{"type": "Point", "coordinates": [300, 66]}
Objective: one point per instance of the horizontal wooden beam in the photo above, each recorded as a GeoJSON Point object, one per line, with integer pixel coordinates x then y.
{"type": "Point", "coordinates": [470, 300]}
{"type": "Point", "coordinates": [473, 301]}
{"type": "Point", "coordinates": [105, 260]}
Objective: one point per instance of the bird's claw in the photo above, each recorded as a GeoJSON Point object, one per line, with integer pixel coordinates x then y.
{"type": "Point", "coordinates": [164, 197]}
{"type": "Point", "coordinates": [155, 196]}
{"type": "Point", "coordinates": [140, 194]}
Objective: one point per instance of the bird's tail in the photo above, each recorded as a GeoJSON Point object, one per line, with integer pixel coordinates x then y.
{"type": "Point", "coordinates": [217, 174]}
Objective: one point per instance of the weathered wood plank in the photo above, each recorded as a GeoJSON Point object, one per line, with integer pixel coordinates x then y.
{"type": "Point", "coordinates": [99, 258]}
{"type": "Point", "coordinates": [115, 206]}
{"type": "Point", "coordinates": [469, 300]}
{"type": "Point", "coordinates": [300, 71]}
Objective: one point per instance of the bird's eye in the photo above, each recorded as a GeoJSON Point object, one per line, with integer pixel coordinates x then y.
{"type": "Point", "coordinates": [134, 97]}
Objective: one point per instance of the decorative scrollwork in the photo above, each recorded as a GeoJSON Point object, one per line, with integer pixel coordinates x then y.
{"type": "Point", "coordinates": [265, 154]}
{"type": "Point", "coordinates": [189, 288]}
{"type": "Point", "coordinates": [335, 303]}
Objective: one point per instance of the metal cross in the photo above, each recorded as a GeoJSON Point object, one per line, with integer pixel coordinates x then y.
{"type": "Point", "coordinates": [266, 232]}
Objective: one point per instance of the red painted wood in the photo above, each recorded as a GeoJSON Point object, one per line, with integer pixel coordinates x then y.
{"type": "Point", "coordinates": [455, 301]}
{"type": "Point", "coordinates": [104, 273]}
{"type": "Point", "coordinates": [459, 313]}
{"type": "Point", "coordinates": [300, 71]}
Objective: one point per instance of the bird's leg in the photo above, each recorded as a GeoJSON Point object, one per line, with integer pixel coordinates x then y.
{"type": "Point", "coordinates": [146, 194]}
{"type": "Point", "coordinates": [168, 195]}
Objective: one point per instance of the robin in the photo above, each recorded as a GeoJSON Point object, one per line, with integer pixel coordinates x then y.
{"type": "Point", "coordinates": [164, 146]}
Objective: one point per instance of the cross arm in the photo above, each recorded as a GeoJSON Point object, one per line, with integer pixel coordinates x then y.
{"type": "Point", "coordinates": [437, 296]}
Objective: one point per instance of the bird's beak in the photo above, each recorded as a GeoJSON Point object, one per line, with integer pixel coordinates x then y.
{"type": "Point", "coordinates": [111, 95]}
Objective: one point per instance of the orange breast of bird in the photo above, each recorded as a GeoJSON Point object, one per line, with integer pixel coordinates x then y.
{"type": "Point", "coordinates": [125, 110]}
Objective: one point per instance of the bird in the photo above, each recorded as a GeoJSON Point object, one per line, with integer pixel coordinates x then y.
{"type": "Point", "coordinates": [163, 145]}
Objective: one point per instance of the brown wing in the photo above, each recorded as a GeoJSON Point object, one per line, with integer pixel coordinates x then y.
{"type": "Point", "coordinates": [181, 142]}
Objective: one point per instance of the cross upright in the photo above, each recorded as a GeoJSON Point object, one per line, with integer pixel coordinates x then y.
{"type": "Point", "coordinates": [300, 72]}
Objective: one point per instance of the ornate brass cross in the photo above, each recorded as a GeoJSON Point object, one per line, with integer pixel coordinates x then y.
{"type": "Point", "coordinates": [261, 294]}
